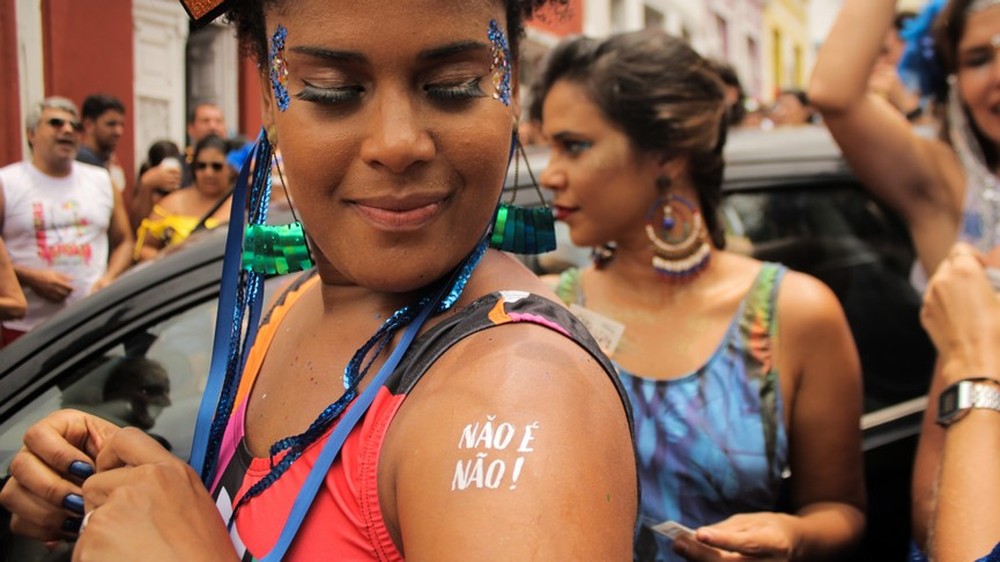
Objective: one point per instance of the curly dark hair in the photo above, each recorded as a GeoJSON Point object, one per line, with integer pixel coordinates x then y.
{"type": "Point", "coordinates": [247, 17]}
{"type": "Point", "coordinates": [737, 111]}
{"type": "Point", "coordinates": [664, 95]}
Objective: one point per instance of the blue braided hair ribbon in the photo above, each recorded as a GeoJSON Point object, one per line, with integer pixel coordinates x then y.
{"type": "Point", "coordinates": [240, 297]}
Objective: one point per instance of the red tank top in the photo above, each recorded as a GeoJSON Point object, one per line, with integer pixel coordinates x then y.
{"type": "Point", "coordinates": [345, 521]}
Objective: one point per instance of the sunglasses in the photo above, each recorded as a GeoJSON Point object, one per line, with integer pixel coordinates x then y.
{"type": "Point", "coordinates": [216, 166]}
{"type": "Point", "coordinates": [58, 123]}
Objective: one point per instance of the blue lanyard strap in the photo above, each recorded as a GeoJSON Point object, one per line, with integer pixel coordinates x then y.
{"type": "Point", "coordinates": [226, 330]}
{"type": "Point", "coordinates": [229, 348]}
{"type": "Point", "coordinates": [306, 495]}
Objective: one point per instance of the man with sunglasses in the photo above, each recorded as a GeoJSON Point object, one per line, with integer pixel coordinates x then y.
{"type": "Point", "coordinates": [64, 224]}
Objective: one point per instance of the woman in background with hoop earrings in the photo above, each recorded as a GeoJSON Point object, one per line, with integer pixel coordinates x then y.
{"type": "Point", "coordinates": [739, 372]}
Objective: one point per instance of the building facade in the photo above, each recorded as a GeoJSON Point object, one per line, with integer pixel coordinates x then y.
{"type": "Point", "coordinates": [733, 32]}
{"type": "Point", "coordinates": [788, 45]}
{"type": "Point", "coordinates": [141, 51]}
{"type": "Point", "coordinates": [145, 53]}
{"type": "Point", "coordinates": [729, 30]}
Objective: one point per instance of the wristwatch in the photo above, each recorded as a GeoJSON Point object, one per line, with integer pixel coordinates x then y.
{"type": "Point", "coordinates": [956, 400]}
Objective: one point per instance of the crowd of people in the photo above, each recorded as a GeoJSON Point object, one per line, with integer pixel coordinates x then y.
{"type": "Point", "coordinates": [70, 223]}
{"type": "Point", "coordinates": [63, 223]}
{"type": "Point", "coordinates": [674, 400]}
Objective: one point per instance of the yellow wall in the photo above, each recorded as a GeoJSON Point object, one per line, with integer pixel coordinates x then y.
{"type": "Point", "coordinates": [786, 45]}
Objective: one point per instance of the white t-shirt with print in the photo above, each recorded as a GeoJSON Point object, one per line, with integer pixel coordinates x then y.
{"type": "Point", "coordinates": [59, 224]}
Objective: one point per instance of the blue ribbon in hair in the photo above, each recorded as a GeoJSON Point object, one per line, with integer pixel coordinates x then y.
{"type": "Point", "coordinates": [919, 57]}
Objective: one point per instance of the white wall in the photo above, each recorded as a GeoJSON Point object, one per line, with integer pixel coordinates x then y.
{"type": "Point", "coordinates": [691, 18]}
{"type": "Point", "coordinates": [160, 38]}
{"type": "Point", "coordinates": [30, 64]}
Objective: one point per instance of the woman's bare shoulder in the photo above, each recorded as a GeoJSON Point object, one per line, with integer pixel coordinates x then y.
{"type": "Point", "coordinates": [805, 301]}
{"type": "Point", "coordinates": [812, 325]}
{"type": "Point", "coordinates": [175, 202]}
{"type": "Point", "coordinates": [526, 366]}
{"type": "Point", "coordinates": [531, 364]}
{"type": "Point", "coordinates": [514, 424]}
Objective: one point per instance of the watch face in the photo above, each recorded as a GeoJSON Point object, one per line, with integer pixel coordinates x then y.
{"type": "Point", "coordinates": [949, 401]}
{"type": "Point", "coordinates": [956, 400]}
{"type": "Point", "coordinates": [949, 407]}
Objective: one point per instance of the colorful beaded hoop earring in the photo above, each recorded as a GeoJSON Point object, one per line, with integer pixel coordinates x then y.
{"type": "Point", "coordinates": [678, 259]}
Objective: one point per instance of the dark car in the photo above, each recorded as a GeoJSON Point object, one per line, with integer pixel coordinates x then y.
{"type": "Point", "coordinates": [138, 352]}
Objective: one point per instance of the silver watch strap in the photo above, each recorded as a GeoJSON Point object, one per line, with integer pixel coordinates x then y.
{"type": "Point", "coordinates": [986, 395]}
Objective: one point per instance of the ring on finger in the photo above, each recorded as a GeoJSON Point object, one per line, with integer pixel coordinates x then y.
{"type": "Point", "coordinates": [86, 519]}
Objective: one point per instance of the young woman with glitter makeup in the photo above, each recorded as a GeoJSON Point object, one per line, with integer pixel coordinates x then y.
{"type": "Point", "coordinates": [743, 375]}
{"type": "Point", "coordinates": [502, 433]}
{"type": "Point", "coordinates": [946, 188]}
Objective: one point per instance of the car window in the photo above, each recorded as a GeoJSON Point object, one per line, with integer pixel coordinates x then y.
{"type": "Point", "coordinates": [838, 234]}
{"type": "Point", "coordinates": [152, 379]}
{"type": "Point", "coordinates": [834, 231]}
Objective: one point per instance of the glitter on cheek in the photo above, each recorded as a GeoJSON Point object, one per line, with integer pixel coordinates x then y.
{"type": "Point", "coordinates": [500, 65]}
{"type": "Point", "coordinates": [279, 67]}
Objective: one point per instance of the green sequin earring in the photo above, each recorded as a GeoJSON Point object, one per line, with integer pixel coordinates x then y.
{"type": "Point", "coordinates": [275, 249]}
{"type": "Point", "coordinates": [523, 230]}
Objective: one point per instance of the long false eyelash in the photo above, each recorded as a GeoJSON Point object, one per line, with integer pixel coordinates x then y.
{"type": "Point", "coordinates": [467, 90]}
{"type": "Point", "coordinates": [331, 96]}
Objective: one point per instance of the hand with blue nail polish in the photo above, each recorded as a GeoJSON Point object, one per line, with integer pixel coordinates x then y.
{"type": "Point", "coordinates": [74, 503]}
{"type": "Point", "coordinates": [44, 493]}
{"type": "Point", "coordinates": [145, 499]}
{"type": "Point", "coordinates": [81, 469]}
